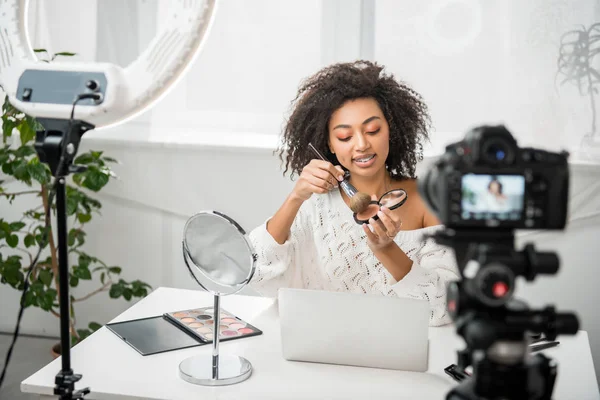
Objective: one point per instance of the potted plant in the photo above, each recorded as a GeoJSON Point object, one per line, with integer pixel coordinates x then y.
{"type": "Point", "coordinates": [577, 52]}
{"type": "Point", "coordinates": [20, 239]}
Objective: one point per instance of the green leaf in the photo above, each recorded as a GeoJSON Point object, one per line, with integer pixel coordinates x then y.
{"type": "Point", "coordinates": [71, 237]}
{"type": "Point", "coordinates": [24, 151]}
{"type": "Point", "coordinates": [127, 294]}
{"type": "Point", "coordinates": [64, 53]}
{"type": "Point", "coordinates": [83, 218]}
{"type": "Point", "coordinates": [80, 237]}
{"type": "Point", "coordinates": [21, 171]}
{"type": "Point", "coordinates": [38, 171]}
{"type": "Point", "coordinates": [14, 260]}
{"type": "Point", "coordinates": [12, 240]}
{"type": "Point", "coordinates": [115, 270]}
{"type": "Point", "coordinates": [83, 333]}
{"type": "Point", "coordinates": [8, 125]}
{"type": "Point", "coordinates": [94, 326]}
{"type": "Point", "coordinates": [116, 290]}
{"type": "Point", "coordinates": [37, 287]}
{"type": "Point", "coordinates": [74, 281]}
{"type": "Point", "coordinates": [45, 302]}
{"type": "Point", "coordinates": [52, 292]}
{"type": "Point", "coordinates": [8, 168]}
{"type": "Point", "coordinates": [4, 157]}
{"type": "Point", "coordinates": [40, 50]}
{"type": "Point", "coordinates": [12, 274]}
{"type": "Point", "coordinates": [93, 203]}
{"type": "Point", "coordinates": [46, 277]}
{"type": "Point", "coordinates": [82, 273]}
{"type": "Point", "coordinates": [35, 124]}
{"type": "Point", "coordinates": [72, 203]}
{"type": "Point", "coordinates": [29, 240]}
{"type": "Point", "coordinates": [41, 240]}
{"type": "Point", "coordinates": [30, 299]}
{"type": "Point", "coordinates": [5, 226]}
{"type": "Point", "coordinates": [102, 277]}
{"type": "Point", "coordinates": [16, 226]}
{"type": "Point", "coordinates": [95, 179]}
{"type": "Point", "coordinates": [77, 178]}
{"type": "Point", "coordinates": [76, 235]}
{"type": "Point", "coordinates": [85, 158]}
{"type": "Point", "coordinates": [27, 131]}
{"type": "Point", "coordinates": [139, 288]}
{"type": "Point", "coordinates": [34, 215]}
{"type": "Point", "coordinates": [84, 260]}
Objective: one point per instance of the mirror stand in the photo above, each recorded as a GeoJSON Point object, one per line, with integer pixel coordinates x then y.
{"type": "Point", "coordinates": [224, 263]}
{"type": "Point", "coordinates": [215, 370]}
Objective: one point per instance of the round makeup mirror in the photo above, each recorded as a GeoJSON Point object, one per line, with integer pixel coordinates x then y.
{"type": "Point", "coordinates": [221, 260]}
{"type": "Point", "coordinates": [391, 199]}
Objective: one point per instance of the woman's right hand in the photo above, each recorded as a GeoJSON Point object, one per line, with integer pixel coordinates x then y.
{"type": "Point", "coordinates": [317, 176]}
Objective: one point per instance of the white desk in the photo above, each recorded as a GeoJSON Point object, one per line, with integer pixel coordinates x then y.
{"type": "Point", "coordinates": [114, 370]}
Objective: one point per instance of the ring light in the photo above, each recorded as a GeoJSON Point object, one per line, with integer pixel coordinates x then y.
{"type": "Point", "coordinates": [46, 90]}
{"type": "Point", "coordinates": [69, 99]}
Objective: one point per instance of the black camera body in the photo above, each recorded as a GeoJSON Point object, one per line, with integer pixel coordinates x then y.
{"type": "Point", "coordinates": [487, 181]}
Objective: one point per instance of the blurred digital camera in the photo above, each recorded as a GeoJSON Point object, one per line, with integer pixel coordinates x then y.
{"type": "Point", "coordinates": [487, 181]}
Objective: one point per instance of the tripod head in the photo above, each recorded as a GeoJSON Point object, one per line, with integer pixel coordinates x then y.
{"type": "Point", "coordinates": [494, 324]}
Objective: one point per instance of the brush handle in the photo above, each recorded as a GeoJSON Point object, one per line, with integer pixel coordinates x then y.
{"type": "Point", "coordinates": [345, 185]}
{"type": "Point", "coordinates": [316, 152]}
{"type": "Point", "coordinates": [543, 346]}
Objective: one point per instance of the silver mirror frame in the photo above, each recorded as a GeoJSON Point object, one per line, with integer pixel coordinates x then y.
{"type": "Point", "coordinates": [186, 257]}
{"type": "Point", "coordinates": [216, 370]}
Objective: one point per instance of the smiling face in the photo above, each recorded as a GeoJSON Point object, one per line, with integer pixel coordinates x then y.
{"type": "Point", "coordinates": [359, 137]}
{"type": "Point", "coordinates": [495, 187]}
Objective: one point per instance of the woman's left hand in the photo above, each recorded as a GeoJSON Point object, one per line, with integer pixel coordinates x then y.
{"type": "Point", "coordinates": [384, 229]}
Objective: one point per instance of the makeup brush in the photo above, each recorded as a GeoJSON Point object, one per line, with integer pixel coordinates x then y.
{"type": "Point", "coordinates": [359, 201]}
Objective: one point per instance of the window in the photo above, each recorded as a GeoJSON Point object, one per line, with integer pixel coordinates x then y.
{"type": "Point", "coordinates": [249, 70]}
{"type": "Point", "coordinates": [243, 81]}
{"type": "Point", "coordinates": [474, 61]}
{"type": "Point", "coordinates": [488, 62]}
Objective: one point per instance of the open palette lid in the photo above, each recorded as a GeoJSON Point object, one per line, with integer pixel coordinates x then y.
{"type": "Point", "coordinates": [153, 335]}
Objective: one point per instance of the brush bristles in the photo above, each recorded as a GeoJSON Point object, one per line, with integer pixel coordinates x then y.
{"type": "Point", "coordinates": [359, 202]}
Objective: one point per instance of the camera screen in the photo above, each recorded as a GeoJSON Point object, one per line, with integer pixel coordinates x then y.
{"type": "Point", "coordinates": [492, 196]}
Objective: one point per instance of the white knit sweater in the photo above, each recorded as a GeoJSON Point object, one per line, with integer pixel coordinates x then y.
{"type": "Point", "coordinates": [327, 250]}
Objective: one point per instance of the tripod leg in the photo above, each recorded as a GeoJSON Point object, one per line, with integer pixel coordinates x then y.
{"type": "Point", "coordinates": [63, 275]}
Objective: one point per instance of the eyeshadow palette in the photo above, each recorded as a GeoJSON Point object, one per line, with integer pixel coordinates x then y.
{"type": "Point", "coordinates": [200, 323]}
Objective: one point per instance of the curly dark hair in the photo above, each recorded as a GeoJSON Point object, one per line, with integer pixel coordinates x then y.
{"type": "Point", "coordinates": [322, 94]}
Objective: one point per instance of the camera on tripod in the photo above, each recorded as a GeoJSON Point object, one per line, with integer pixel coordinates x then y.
{"type": "Point", "coordinates": [482, 189]}
{"type": "Point", "coordinates": [487, 181]}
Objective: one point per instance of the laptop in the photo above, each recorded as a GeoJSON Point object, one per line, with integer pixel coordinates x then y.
{"type": "Point", "coordinates": [363, 330]}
